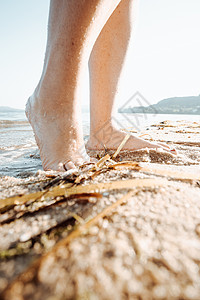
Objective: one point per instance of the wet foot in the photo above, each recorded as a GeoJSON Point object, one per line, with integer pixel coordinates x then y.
{"type": "Point", "coordinates": [58, 136]}
{"type": "Point", "coordinates": [112, 138]}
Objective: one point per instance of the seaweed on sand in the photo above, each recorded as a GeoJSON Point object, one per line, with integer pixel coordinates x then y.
{"type": "Point", "coordinates": [69, 183]}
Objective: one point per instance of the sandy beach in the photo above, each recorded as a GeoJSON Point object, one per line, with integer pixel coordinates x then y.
{"type": "Point", "coordinates": [125, 228]}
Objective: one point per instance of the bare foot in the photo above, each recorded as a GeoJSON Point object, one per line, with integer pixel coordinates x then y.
{"type": "Point", "coordinates": [58, 137]}
{"type": "Point", "coordinates": [111, 139]}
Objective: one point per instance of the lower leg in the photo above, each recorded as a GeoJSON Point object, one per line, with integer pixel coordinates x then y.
{"type": "Point", "coordinates": [106, 63]}
{"type": "Point", "coordinates": [54, 108]}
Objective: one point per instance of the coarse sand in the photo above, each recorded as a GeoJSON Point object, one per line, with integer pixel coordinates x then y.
{"type": "Point", "coordinates": [134, 242]}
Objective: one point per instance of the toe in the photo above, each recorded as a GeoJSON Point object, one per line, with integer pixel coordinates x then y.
{"type": "Point", "coordinates": [69, 165]}
{"type": "Point", "coordinates": [168, 148]}
{"type": "Point", "coordinates": [164, 145]}
{"type": "Point", "coordinates": [174, 151]}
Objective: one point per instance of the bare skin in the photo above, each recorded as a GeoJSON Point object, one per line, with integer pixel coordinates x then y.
{"type": "Point", "coordinates": [106, 63]}
{"type": "Point", "coordinates": [54, 108]}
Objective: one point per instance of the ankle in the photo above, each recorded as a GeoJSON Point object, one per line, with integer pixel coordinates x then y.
{"type": "Point", "coordinates": [101, 127]}
{"type": "Point", "coordinates": [103, 135]}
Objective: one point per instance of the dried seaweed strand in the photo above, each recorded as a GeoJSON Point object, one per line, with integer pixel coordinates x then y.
{"type": "Point", "coordinates": [24, 198]}
{"type": "Point", "coordinates": [121, 145]}
{"type": "Point", "coordinates": [83, 228]}
{"type": "Point", "coordinates": [125, 164]}
{"type": "Point", "coordinates": [102, 161]}
{"type": "Point", "coordinates": [6, 218]}
{"type": "Point", "coordinates": [31, 272]}
{"type": "Point", "coordinates": [65, 190]}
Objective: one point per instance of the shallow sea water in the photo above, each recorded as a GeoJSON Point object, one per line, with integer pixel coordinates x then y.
{"type": "Point", "coordinates": [19, 154]}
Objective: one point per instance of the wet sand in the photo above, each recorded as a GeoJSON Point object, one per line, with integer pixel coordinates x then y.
{"type": "Point", "coordinates": [145, 246]}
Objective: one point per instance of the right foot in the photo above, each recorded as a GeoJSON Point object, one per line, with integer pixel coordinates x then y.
{"type": "Point", "coordinates": [111, 138]}
{"type": "Point", "coordinates": [59, 139]}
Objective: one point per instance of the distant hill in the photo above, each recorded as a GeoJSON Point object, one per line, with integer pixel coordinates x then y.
{"type": "Point", "coordinates": [176, 105]}
{"type": "Point", "coordinates": [9, 109]}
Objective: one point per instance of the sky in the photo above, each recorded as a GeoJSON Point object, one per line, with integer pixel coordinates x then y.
{"type": "Point", "coordinates": [163, 59]}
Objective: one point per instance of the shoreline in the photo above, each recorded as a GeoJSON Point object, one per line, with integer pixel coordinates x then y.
{"type": "Point", "coordinates": [136, 240]}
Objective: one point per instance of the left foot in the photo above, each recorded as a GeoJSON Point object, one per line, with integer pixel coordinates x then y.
{"type": "Point", "coordinates": [111, 139]}
{"type": "Point", "coordinates": [57, 134]}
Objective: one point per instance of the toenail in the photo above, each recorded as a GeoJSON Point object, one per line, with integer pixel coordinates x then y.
{"type": "Point", "coordinates": [69, 165]}
{"type": "Point", "coordinates": [64, 164]}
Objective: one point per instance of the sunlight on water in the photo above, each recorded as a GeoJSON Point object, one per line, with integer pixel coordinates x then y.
{"type": "Point", "coordinates": [19, 152]}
